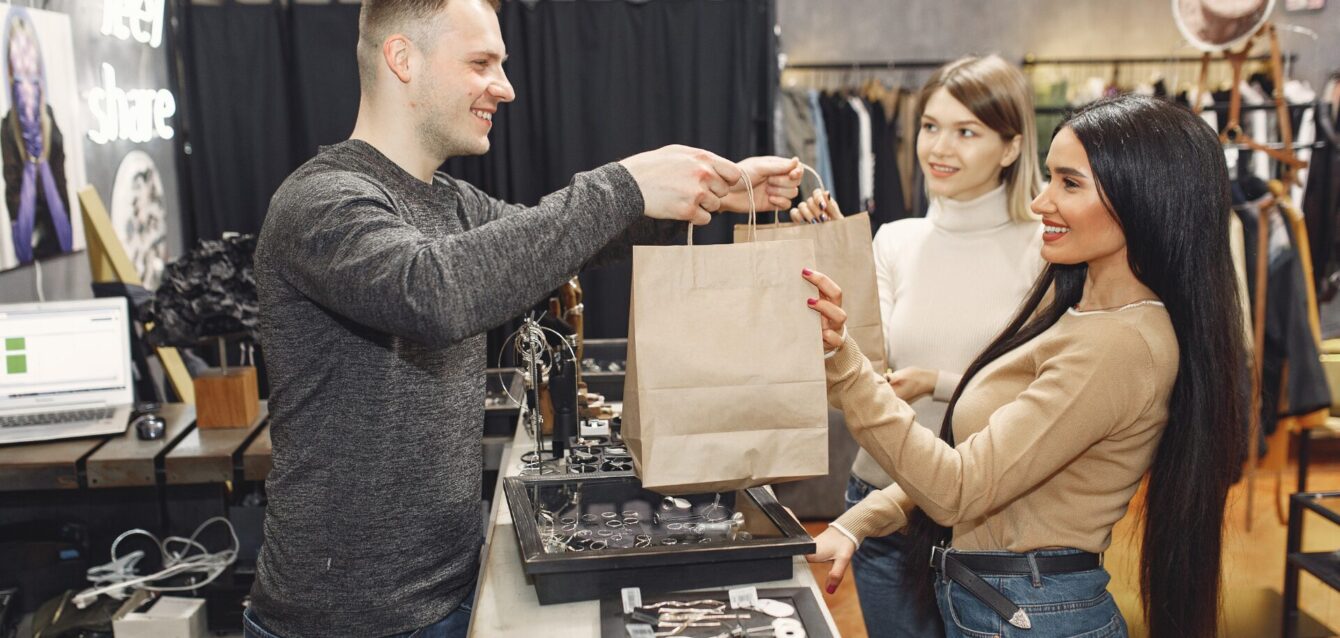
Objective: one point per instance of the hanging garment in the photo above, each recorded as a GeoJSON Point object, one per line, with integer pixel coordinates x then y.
{"type": "Point", "coordinates": [796, 132]}
{"type": "Point", "coordinates": [823, 155]}
{"type": "Point", "coordinates": [865, 155]}
{"type": "Point", "coordinates": [889, 204]}
{"type": "Point", "coordinates": [1302, 113]}
{"type": "Point", "coordinates": [1321, 198]}
{"type": "Point", "coordinates": [843, 146]}
{"type": "Point", "coordinates": [1256, 124]}
{"type": "Point", "coordinates": [1289, 334]}
{"type": "Point", "coordinates": [908, 124]}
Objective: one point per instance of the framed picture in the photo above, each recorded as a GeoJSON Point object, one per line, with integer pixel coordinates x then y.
{"type": "Point", "coordinates": [40, 139]}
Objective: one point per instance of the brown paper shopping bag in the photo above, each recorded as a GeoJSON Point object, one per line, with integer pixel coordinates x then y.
{"type": "Point", "coordinates": [725, 383]}
{"type": "Point", "coordinates": [843, 250]}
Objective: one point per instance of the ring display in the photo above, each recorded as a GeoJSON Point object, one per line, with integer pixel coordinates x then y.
{"type": "Point", "coordinates": [683, 613]}
{"type": "Point", "coordinates": [678, 545]}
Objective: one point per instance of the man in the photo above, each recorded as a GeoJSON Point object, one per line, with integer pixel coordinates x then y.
{"type": "Point", "coordinates": [378, 278]}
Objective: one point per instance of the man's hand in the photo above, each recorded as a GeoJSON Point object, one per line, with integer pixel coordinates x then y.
{"type": "Point", "coordinates": [776, 181]}
{"type": "Point", "coordinates": [911, 384]}
{"type": "Point", "coordinates": [831, 545]}
{"type": "Point", "coordinates": [682, 183]}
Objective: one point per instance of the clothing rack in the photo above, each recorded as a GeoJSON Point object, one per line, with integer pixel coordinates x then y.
{"type": "Point", "coordinates": [867, 65]}
{"type": "Point", "coordinates": [1031, 60]}
{"type": "Point", "coordinates": [1057, 109]}
{"type": "Point", "coordinates": [1297, 146]}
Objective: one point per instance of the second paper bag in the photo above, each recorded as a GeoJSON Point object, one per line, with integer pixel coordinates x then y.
{"type": "Point", "coordinates": [725, 383]}
{"type": "Point", "coordinates": [843, 250]}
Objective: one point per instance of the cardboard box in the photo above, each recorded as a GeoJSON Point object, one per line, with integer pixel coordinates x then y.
{"type": "Point", "coordinates": [168, 617]}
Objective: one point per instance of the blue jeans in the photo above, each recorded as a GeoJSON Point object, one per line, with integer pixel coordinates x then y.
{"type": "Point", "coordinates": [455, 625]}
{"type": "Point", "coordinates": [1071, 605]}
{"type": "Point", "coordinates": [888, 601]}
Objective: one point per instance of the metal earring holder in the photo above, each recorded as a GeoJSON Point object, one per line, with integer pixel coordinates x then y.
{"type": "Point", "coordinates": [531, 347]}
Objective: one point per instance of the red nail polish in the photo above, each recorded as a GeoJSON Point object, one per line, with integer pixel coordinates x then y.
{"type": "Point", "coordinates": [831, 589]}
{"type": "Point", "coordinates": [806, 271]}
{"type": "Point", "coordinates": [812, 301]}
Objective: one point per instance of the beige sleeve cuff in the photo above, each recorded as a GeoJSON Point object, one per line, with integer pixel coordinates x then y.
{"type": "Point", "coordinates": [945, 384]}
{"type": "Point", "coordinates": [878, 514]}
{"type": "Point", "coordinates": [845, 361]}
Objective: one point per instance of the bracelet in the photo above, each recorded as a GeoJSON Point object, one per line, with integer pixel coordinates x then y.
{"type": "Point", "coordinates": [842, 530]}
{"type": "Point", "coordinates": [829, 355]}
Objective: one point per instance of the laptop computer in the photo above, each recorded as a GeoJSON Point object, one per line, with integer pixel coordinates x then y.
{"type": "Point", "coordinates": [64, 369]}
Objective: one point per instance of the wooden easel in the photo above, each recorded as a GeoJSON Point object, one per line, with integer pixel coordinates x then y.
{"type": "Point", "coordinates": [109, 263]}
{"type": "Point", "coordinates": [1233, 134]}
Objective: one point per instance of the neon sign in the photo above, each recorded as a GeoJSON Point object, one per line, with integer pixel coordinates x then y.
{"type": "Point", "coordinates": [127, 19]}
{"type": "Point", "coordinates": [135, 115]}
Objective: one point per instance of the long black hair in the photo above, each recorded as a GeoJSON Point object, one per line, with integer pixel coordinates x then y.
{"type": "Point", "coordinates": [1160, 170]}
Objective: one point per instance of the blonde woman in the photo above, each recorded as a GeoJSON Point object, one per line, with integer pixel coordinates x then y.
{"type": "Point", "coordinates": [948, 283]}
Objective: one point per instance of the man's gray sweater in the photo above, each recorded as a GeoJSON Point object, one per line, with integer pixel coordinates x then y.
{"type": "Point", "coordinates": [376, 290]}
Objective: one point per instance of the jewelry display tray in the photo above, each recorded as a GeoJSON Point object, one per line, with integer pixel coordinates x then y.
{"type": "Point", "coordinates": [762, 550]}
{"type": "Point", "coordinates": [613, 625]}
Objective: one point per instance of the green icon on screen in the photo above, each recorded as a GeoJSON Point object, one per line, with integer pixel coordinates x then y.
{"type": "Point", "coordinates": [14, 343]}
{"type": "Point", "coordinates": [16, 364]}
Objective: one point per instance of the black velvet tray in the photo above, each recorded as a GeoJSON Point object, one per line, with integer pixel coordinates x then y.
{"type": "Point", "coordinates": [653, 547]}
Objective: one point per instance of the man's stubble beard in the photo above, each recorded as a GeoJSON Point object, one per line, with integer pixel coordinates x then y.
{"type": "Point", "coordinates": [438, 128]}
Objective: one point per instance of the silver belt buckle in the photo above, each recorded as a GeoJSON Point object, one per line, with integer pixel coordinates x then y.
{"type": "Point", "coordinates": [935, 551]}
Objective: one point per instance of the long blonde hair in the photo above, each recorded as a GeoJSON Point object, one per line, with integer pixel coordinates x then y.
{"type": "Point", "coordinates": [998, 95]}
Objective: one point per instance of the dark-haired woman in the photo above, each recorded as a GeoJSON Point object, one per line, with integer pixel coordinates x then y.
{"type": "Point", "coordinates": [1122, 362]}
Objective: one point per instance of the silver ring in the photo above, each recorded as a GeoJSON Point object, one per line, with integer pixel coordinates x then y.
{"type": "Point", "coordinates": [615, 523]}
{"type": "Point", "coordinates": [604, 533]}
{"type": "Point", "coordinates": [589, 518]}
{"type": "Point", "coordinates": [629, 514]}
{"type": "Point", "coordinates": [631, 521]}
{"type": "Point", "coordinates": [608, 514]}
{"type": "Point", "coordinates": [582, 533]}
{"type": "Point", "coordinates": [616, 537]}
{"type": "Point", "coordinates": [669, 541]}
{"type": "Point", "coordinates": [599, 545]}
{"type": "Point", "coordinates": [567, 520]}
{"type": "Point", "coordinates": [674, 527]}
{"type": "Point", "coordinates": [570, 527]}
{"type": "Point", "coordinates": [576, 548]}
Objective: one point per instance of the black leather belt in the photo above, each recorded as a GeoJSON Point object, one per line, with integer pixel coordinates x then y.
{"type": "Point", "coordinates": [963, 568]}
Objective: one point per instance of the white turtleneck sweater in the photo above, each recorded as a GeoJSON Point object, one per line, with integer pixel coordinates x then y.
{"type": "Point", "coordinates": [948, 284]}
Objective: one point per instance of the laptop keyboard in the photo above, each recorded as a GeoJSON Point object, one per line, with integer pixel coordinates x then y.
{"type": "Point", "coordinates": [52, 418]}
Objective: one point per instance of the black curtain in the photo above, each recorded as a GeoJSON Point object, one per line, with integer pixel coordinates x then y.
{"type": "Point", "coordinates": [599, 81]}
{"type": "Point", "coordinates": [596, 81]}
{"type": "Point", "coordinates": [237, 78]}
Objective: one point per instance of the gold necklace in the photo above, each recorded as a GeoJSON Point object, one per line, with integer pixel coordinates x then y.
{"type": "Point", "coordinates": [1133, 304]}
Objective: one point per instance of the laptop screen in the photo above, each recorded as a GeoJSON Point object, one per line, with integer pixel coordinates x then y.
{"type": "Point", "coordinates": [64, 355]}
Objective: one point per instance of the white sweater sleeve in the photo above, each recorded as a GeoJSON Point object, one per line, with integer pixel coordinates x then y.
{"type": "Point", "coordinates": [886, 282]}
